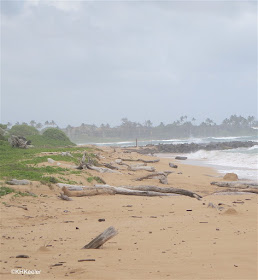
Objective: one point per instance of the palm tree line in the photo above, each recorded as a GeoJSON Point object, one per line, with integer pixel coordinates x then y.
{"type": "Point", "coordinates": [183, 127]}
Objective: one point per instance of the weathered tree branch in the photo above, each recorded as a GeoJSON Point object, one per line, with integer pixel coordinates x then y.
{"type": "Point", "coordinates": [146, 168]}
{"type": "Point", "coordinates": [18, 182]}
{"type": "Point", "coordinates": [73, 190]}
{"type": "Point", "coordinates": [161, 176]}
{"type": "Point", "coordinates": [236, 184]}
{"type": "Point", "coordinates": [97, 242]}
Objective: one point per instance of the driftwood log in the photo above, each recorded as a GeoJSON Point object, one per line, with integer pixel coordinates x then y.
{"type": "Point", "coordinates": [97, 242]}
{"type": "Point", "coordinates": [101, 169]}
{"type": "Point", "coordinates": [236, 184]}
{"type": "Point", "coordinates": [74, 190]}
{"type": "Point", "coordinates": [165, 190]}
{"type": "Point", "coordinates": [86, 191]}
{"type": "Point", "coordinates": [137, 167]}
{"type": "Point", "coordinates": [248, 190]}
{"type": "Point", "coordinates": [82, 164]}
{"type": "Point", "coordinates": [161, 176]}
{"type": "Point", "coordinates": [142, 160]}
{"type": "Point", "coordinates": [110, 166]}
{"type": "Point", "coordinates": [120, 162]}
{"type": "Point", "coordinates": [18, 182]}
{"type": "Point", "coordinates": [64, 197]}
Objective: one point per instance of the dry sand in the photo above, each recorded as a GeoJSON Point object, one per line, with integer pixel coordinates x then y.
{"type": "Point", "coordinates": [174, 237]}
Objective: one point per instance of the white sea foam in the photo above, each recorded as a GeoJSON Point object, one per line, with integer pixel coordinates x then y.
{"type": "Point", "coordinates": [238, 161]}
{"type": "Point", "coordinates": [242, 161]}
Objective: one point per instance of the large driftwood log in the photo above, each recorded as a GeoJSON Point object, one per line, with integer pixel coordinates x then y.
{"type": "Point", "coordinates": [97, 242]}
{"type": "Point", "coordinates": [236, 184]}
{"type": "Point", "coordinates": [106, 189]}
{"type": "Point", "coordinates": [142, 160]}
{"type": "Point", "coordinates": [146, 168]}
{"type": "Point", "coordinates": [164, 190]}
{"type": "Point", "coordinates": [74, 190]}
{"type": "Point", "coordinates": [248, 190]}
{"type": "Point", "coordinates": [18, 182]}
{"type": "Point", "coordinates": [87, 191]}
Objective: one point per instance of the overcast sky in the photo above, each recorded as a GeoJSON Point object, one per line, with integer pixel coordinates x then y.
{"type": "Point", "coordinates": [97, 62]}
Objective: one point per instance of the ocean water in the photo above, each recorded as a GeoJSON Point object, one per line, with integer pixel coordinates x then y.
{"type": "Point", "coordinates": [178, 141]}
{"type": "Point", "coordinates": [242, 161]}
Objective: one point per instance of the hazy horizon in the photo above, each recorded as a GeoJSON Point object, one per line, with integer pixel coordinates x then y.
{"type": "Point", "coordinates": [98, 62]}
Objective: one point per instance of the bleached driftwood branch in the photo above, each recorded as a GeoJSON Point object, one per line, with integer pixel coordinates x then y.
{"type": "Point", "coordinates": [97, 242]}
{"type": "Point", "coordinates": [101, 169]}
{"type": "Point", "coordinates": [236, 184]}
{"type": "Point", "coordinates": [18, 182]}
{"type": "Point", "coordinates": [69, 190]}
{"type": "Point", "coordinates": [137, 167]}
{"type": "Point", "coordinates": [161, 176]}
{"type": "Point", "coordinates": [142, 160]}
{"type": "Point", "coordinates": [236, 191]}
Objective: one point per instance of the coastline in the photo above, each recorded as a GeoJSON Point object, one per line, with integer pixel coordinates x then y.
{"type": "Point", "coordinates": [243, 173]}
{"type": "Point", "coordinates": [175, 237]}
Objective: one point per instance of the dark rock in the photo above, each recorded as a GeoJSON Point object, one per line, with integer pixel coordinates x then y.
{"type": "Point", "coordinates": [181, 158]}
{"type": "Point", "coordinates": [194, 147]}
{"type": "Point", "coordinates": [22, 256]}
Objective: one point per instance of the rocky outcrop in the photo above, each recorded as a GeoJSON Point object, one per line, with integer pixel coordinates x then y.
{"type": "Point", "coordinates": [194, 147]}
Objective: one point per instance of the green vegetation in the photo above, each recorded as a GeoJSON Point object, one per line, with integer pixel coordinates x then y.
{"type": "Point", "coordinates": [17, 194]}
{"type": "Point", "coordinates": [55, 134]}
{"type": "Point", "coordinates": [184, 127]}
{"type": "Point", "coordinates": [51, 137]}
{"type": "Point", "coordinates": [97, 179]}
{"type": "Point", "coordinates": [6, 190]}
{"type": "Point", "coordinates": [22, 163]}
{"type": "Point", "coordinates": [23, 130]}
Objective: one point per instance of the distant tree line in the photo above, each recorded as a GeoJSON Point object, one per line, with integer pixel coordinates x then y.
{"type": "Point", "coordinates": [182, 128]}
{"type": "Point", "coordinates": [33, 123]}
{"type": "Point", "coordinates": [129, 130]}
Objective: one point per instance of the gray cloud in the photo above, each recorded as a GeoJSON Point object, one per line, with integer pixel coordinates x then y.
{"type": "Point", "coordinates": [97, 62]}
{"type": "Point", "coordinates": [11, 8]}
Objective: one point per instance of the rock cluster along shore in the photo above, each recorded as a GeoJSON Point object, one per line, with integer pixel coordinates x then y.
{"type": "Point", "coordinates": [194, 147]}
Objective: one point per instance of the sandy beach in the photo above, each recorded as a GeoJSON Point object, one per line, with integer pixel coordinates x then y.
{"type": "Point", "coordinates": [174, 237]}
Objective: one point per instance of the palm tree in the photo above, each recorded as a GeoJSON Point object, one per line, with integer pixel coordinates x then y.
{"type": "Point", "coordinates": [32, 123]}
{"type": "Point", "coordinates": [52, 123]}
{"type": "Point", "coordinates": [39, 125]}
